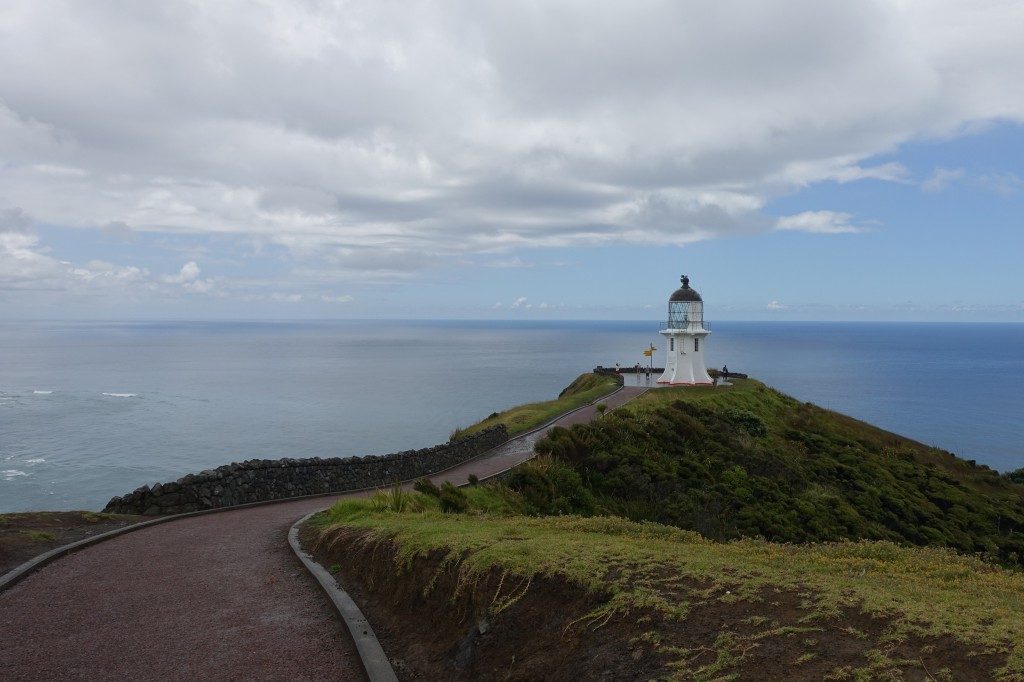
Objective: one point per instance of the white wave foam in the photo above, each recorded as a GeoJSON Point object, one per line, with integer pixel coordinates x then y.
{"type": "Point", "coordinates": [36, 460]}
{"type": "Point", "coordinates": [42, 392]}
{"type": "Point", "coordinates": [8, 474]}
{"type": "Point", "coordinates": [122, 395]}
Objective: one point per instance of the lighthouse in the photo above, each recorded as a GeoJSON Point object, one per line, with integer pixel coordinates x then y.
{"type": "Point", "coordinates": [685, 338]}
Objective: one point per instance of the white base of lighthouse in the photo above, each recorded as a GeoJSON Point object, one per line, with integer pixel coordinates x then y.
{"type": "Point", "coordinates": [684, 360]}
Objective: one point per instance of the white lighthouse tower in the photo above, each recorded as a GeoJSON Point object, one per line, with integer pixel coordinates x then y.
{"type": "Point", "coordinates": [684, 338]}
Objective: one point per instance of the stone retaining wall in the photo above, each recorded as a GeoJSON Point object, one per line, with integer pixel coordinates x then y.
{"type": "Point", "coordinates": [260, 480]}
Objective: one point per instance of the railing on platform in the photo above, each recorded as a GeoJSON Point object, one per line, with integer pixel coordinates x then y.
{"type": "Point", "coordinates": [688, 326]}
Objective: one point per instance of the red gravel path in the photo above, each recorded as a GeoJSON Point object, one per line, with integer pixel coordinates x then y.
{"type": "Point", "coordinates": [219, 596]}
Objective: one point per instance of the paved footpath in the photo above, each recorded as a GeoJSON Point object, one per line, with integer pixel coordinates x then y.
{"type": "Point", "coordinates": [219, 596]}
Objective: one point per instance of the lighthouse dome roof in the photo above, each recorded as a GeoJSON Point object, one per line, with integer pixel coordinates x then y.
{"type": "Point", "coordinates": [685, 293]}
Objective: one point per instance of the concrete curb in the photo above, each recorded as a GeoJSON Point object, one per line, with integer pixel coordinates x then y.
{"type": "Point", "coordinates": [375, 661]}
{"type": "Point", "coordinates": [18, 573]}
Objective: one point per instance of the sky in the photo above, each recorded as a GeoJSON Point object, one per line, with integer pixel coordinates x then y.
{"type": "Point", "coordinates": [798, 159]}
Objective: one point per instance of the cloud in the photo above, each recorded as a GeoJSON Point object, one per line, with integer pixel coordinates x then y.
{"type": "Point", "coordinates": [520, 302]}
{"type": "Point", "coordinates": [513, 262]}
{"type": "Point", "coordinates": [372, 141]}
{"type": "Point", "coordinates": [22, 265]}
{"type": "Point", "coordinates": [775, 305]}
{"type": "Point", "coordinates": [941, 178]}
{"type": "Point", "coordinates": [818, 222]}
{"type": "Point", "coordinates": [189, 280]}
{"type": "Point", "coordinates": [1004, 184]}
{"type": "Point", "coordinates": [25, 264]}
{"type": "Point", "coordinates": [329, 298]}
{"type": "Point", "coordinates": [188, 273]}
{"type": "Point", "coordinates": [101, 272]}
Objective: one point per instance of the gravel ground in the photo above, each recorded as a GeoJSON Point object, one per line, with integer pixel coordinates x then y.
{"type": "Point", "coordinates": [215, 597]}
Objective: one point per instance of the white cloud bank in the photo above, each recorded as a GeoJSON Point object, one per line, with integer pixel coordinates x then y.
{"type": "Point", "coordinates": [384, 136]}
{"type": "Point", "coordinates": [819, 222]}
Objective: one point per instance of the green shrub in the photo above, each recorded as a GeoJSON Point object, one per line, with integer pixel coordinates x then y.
{"type": "Point", "coordinates": [746, 420]}
{"type": "Point", "coordinates": [775, 469]}
{"type": "Point", "coordinates": [550, 486]}
{"type": "Point", "coordinates": [473, 479]}
{"type": "Point", "coordinates": [1016, 476]}
{"type": "Point", "coordinates": [427, 487]}
{"type": "Point", "coordinates": [452, 499]}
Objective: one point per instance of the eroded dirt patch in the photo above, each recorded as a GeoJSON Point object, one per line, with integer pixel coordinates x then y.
{"type": "Point", "coordinates": [27, 535]}
{"type": "Point", "coordinates": [435, 622]}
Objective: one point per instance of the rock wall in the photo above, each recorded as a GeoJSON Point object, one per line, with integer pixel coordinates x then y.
{"type": "Point", "coordinates": [260, 480]}
{"type": "Point", "coordinates": [609, 372]}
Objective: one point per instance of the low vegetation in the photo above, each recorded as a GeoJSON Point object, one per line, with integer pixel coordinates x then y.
{"type": "Point", "coordinates": [41, 535]}
{"type": "Point", "coordinates": [853, 610]}
{"type": "Point", "coordinates": [584, 390]}
{"type": "Point", "coordinates": [713, 533]}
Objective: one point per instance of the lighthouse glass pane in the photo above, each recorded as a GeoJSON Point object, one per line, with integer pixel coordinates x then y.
{"type": "Point", "coordinates": [696, 345]}
{"type": "Point", "coordinates": [684, 314]}
{"type": "Point", "coordinates": [671, 344]}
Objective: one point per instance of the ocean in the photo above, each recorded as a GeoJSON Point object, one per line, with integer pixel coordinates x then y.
{"type": "Point", "coordinates": [93, 410]}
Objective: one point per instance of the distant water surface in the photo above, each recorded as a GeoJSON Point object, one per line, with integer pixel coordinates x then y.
{"type": "Point", "coordinates": [88, 411]}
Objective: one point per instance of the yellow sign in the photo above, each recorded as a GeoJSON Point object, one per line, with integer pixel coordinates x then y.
{"type": "Point", "coordinates": [648, 353]}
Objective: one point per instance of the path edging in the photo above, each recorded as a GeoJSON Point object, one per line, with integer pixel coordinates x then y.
{"type": "Point", "coordinates": [371, 653]}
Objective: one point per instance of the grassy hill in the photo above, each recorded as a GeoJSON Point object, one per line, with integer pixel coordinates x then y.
{"type": "Point", "coordinates": [750, 461]}
{"type": "Point", "coordinates": [698, 534]}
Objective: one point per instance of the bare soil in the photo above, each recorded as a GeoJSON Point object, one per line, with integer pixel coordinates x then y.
{"type": "Point", "coordinates": [27, 535]}
{"type": "Point", "coordinates": [434, 625]}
